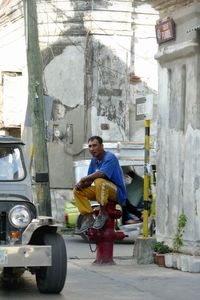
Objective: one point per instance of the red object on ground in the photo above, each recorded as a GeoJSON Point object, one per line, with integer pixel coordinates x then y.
{"type": "Point", "coordinates": [106, 236]}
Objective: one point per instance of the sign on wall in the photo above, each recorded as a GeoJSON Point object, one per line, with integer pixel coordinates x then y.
{"type": "Point", "coordinates": [140, 108]}
{"type": "Point", "coordinates": [165, 30]}
{"type": "Point", "coordinates": [144, 108]}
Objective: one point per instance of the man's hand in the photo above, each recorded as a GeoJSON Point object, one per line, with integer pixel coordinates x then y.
{"type": "Point", "coordinates": [83, 183]}
{"type": "Point", "coordinates": [88, 180]}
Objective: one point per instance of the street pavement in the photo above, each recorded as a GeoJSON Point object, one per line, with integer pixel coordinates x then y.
{"type": "Point", "coordinates": [126, 279]}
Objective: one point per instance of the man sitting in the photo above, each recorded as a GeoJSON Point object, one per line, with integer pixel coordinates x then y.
{"type": "Point", "coordinates": [103, 182]}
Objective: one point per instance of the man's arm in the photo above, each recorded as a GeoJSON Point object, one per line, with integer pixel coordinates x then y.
{"type": "Point", "coordinates": [88, 180]}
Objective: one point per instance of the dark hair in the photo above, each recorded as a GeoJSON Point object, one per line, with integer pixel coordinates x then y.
{"type": "Point", "coordinates": [96, 137]}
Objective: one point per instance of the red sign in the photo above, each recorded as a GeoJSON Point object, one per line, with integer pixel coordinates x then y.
{"type": "Point", "coordinates": [165, 31]}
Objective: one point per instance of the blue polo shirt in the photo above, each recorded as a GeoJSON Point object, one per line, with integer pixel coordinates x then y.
{"type": "Point", "coordinates": [110, 167]}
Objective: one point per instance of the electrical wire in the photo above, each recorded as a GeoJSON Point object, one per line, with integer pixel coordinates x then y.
{"type": "Point", "coordinates": [67, 37]}
{"type": "Point", "coordinates": [81, 49]}
{"type": "Point", "coordinates": [98, 65]}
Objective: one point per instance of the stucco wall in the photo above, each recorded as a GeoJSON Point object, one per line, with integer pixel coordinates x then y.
{"type": "Point", "coordinates": [90, 52]}
{"type": "Point", "coordinates": [178, 173]}
{"type": "Point", "coordinates": [167, 7]}
{"type": "Point", "coordinates": [88, 58]}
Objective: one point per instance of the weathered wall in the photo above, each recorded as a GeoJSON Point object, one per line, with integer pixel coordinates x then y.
{"type": "Point", "coordinates": [167, 7]}
{"type": "Point", "coordinates": [97, 58]}
{"type": "Point", "coordinates": [12, 66]}
{"type": "Point", "coordinates": [178, 184]}
{"type": "Point", "coordinates": [90, 48]}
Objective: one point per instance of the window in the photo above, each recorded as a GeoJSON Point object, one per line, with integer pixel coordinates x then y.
{"type": "Point", "coordinates": [11, 165]}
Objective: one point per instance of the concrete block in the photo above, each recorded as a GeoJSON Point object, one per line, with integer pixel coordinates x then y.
{"type": "Point", "coordinates": [171, 260]}
{"type": "Point", "coordinates": [143, 250]}
{"type": "Point", "coordinates": [184, 262]}
{"type": "Point", "coordinates": [168, 260]}
{"type": "Point", "coordinates": [178, 262]}
{"type": "Point", "coordinates": [194, 264]}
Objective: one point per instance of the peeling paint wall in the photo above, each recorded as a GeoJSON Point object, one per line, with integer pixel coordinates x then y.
{"type": "Point", "coordinates": [88, 58]}
{"type": "Point", "coordinates": [111, 93]}
{"type": "Point", "coordinates": [168, 7]}
{"type": "Point", "coordinates": [178, 163]}
{"type": "Point", "coordinates": [12, 65]}
{"type": "Point", "coordinates": [90, 50]}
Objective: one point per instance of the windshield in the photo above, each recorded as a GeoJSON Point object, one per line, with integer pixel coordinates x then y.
{"type": "Point", "coordinates": [11, 166]}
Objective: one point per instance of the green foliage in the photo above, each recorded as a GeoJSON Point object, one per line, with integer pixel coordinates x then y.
{"type": "Point", "coordinates": [161, 247]}
{"type": "Point", "coordinates": [177, 241]}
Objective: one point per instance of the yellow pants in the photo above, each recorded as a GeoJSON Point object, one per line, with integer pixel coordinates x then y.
{"type": "Point", "coordinates": [101, 191]}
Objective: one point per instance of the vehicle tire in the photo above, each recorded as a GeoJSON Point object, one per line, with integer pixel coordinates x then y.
{"type": "Point", "coordinates": [52, 279]}
{"type": "Point", "coordinates": [78, 226]}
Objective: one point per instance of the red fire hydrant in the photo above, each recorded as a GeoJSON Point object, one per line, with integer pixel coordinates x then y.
{"type": "Point", "coordinates": [106, 236]}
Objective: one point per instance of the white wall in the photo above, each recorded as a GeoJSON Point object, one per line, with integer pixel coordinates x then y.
{"type": "Point", "coordinates": [178, 174]}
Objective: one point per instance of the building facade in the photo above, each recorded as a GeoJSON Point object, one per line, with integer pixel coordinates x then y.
{"type": "Point", "coordinates": [97, 59]}
{"type": "Point", "coordinates": [178, 173]}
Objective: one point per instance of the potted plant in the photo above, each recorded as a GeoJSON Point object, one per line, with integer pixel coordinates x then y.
{"type": "Point", "coordinates": [160, 248]}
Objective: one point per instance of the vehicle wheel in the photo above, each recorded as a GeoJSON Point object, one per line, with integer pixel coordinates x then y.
{"type": "Point", "coordinates": [78, 226]}
{"type": "Point", "coordinates": [52, 279]}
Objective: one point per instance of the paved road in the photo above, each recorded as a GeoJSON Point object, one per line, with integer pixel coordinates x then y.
{"type": "Point", "coordinates": [77, 248]}
{"type": "Point", "coordinates": [77, 251]}
{"type": "Point", "coordinates": [124, 280]}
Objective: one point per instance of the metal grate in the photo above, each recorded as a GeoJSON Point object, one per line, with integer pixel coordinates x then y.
{"type": "Point", "coordinates": [3, 228]}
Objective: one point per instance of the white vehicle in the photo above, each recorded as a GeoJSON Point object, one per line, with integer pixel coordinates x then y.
{"type": "Point", "coordinates": [27, 241]}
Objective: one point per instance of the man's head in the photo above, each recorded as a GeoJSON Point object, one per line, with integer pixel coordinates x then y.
{"type": "Point", "coordinates": [95, 145]}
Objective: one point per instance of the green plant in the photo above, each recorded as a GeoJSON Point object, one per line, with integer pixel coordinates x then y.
{"type": "Point", "coordinates": [161, 248]}
{"type": "Point", "coordinates": [177, 241]}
